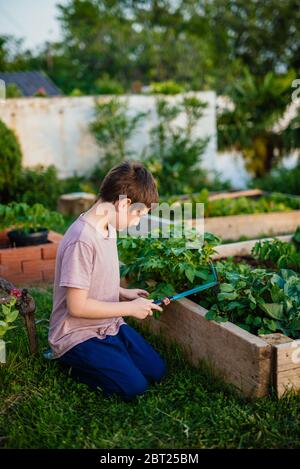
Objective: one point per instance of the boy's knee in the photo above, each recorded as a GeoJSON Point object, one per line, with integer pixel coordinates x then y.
{"type": "Point", "coordinates": [159, 370]}
{"type": "Point", "coordinates": [136, 388]}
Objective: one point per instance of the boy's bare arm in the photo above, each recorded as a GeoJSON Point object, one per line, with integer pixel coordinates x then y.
{"type": "Point", "coordinates": [81, 306]}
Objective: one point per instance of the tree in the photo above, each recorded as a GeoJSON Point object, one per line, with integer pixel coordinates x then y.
{"type": "Point", "coordinates": [250, 126]}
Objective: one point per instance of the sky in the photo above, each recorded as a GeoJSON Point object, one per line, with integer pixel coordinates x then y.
{"type": "Point", "coordinates": [33, 20]}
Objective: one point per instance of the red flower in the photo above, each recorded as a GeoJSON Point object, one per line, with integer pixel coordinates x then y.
{"type": "Point", "coordinates": [16, 292]}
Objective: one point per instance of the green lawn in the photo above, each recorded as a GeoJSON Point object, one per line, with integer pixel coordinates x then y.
{"type": "Point", "coordinates": [41, 407]}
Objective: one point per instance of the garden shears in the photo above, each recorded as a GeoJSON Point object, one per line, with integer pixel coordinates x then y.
{"type": "Point", "coordinates": [197, 289]}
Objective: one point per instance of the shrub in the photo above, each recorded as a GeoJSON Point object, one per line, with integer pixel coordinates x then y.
{"type": "Point", "coordinates": [174, 153]}
{"type": "Point", "coordinates": [281, 180]}
{"type": "Point", "coordinates": [168, 87]}
{"type": "Point", "coordinates": [112, 128]}
{"type": "Point", "coordinates": [39, 185]}
{"type": "Point", "coordinates": [10, 162]}
{"type": "Point", "coordinates": [13, 91]}
{"type": "Point", "coordinates": [106, 85]}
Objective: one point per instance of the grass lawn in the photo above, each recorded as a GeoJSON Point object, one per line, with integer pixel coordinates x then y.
{"type": "Point", "coordinates": [41, 407]}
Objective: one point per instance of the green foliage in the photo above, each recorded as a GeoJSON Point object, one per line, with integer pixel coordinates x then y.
{"type": "Point", "coordinates": [39, 184]}
{"type": "Point", "coordinates": [8, 314]}
{"type": "Point", "coordinates": [280, 179]}
{"type": "Point", "coordinates": [108, 86]}
{"type": "Point", "coordinates": [112, 127]}
{"type": "Point", "coordinates": [279, 253]}
{"type": "Point", "coordinates": [258, 104]}
{"type": "Point", "coordinates": [174, 152]}
{"type": "Point", "coordinates": [13, 91]}
{"type": "Point", "coordinates": [260, 301]}
{"type": "Point", "coordinates": [22, 216]}
{"type": "Point", "coordinates": [42, 407]}
{"type": "Point", "coordinates": [166, 265]}
{"type": "Point", "coordinates": [240, 205]}
{"type": "Point", "coordinates": [76, 92]}
{"type": "Point", "coordinates": [168, 87]}
{"type": "Point", "coordinates": [10, 162]}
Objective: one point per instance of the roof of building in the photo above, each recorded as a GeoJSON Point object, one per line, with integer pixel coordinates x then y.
{"type": "Point", "coordinates": [31, 82]}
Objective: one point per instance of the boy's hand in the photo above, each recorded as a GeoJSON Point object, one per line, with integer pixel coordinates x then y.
{"type": "Point", "coordinates": [141, 308]}
{"type": "Point", "coordinates": [128, 294]}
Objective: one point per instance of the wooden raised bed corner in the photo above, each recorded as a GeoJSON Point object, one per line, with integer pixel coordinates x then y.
{"type": "Point", "coordinates": [29, 264]}
{"type": "Point", "coordinates": [240, 358]}
{"type": "Point", "coordinates": [254, 365]}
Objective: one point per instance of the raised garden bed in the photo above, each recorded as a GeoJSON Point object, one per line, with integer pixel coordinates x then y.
{"type": "Point", "coordinates": [253, 364]}
{"type": "Point", "coordinates": [30, 264]}
{"type": "Point", "coordinates": [270, 222]}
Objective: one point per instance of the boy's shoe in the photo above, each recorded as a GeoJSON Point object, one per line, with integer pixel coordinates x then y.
{"type": "Point", "coordinates": [48, 354]}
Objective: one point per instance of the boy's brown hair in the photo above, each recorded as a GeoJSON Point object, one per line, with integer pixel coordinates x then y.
{"type": "Point", "coordinates": [132, 179]}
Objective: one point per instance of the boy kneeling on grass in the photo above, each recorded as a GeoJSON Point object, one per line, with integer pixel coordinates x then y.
{"type": "Point", "coordinates": [87, 331]}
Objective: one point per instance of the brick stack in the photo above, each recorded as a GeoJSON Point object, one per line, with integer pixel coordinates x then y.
{"type": "Point", "coordinates": [29, 264]}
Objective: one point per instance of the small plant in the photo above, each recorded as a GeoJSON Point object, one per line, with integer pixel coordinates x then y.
{"type": "Point", "coordinates": [279, 253]}
{"type": "Point", "coordinates": [28, 225]}
{"type": "Point", "coordinates": [260, 301]}
{"type": "Point", "coordinates": [8, 314]}
{"type": "Point", "coordinates": [26, 218]}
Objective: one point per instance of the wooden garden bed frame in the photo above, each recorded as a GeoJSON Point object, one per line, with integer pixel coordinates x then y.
{"type": "Point", "coordinates": [253, 364]}
{"type": "Point", "coordinates": [234, 227]}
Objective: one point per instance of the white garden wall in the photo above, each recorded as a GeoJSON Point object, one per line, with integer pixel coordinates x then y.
{"type": "Point", "coordinates": [55, 130]}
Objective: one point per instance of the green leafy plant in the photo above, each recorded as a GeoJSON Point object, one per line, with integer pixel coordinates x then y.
{"type": "Point", "coordinates": [166, 265]}
{"type": "Point", "coordinates": [26, 218]}
{"type": "Point", "coordinates": [257, 300]}
{"type": "Point", "coordinates": [8, 314]}
{"type": "Point", "coordinates": [168, 87]}
{"type": "Point", "coordinates": [174, 153]}
{"type": "Point", "coordinates": [285, 180]}
{"type": "Point", "coordinates": [279, 253]}
{"type": "Point", "coordinates": [112, 127]}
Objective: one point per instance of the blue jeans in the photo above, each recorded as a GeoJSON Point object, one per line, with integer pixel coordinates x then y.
{"type": "Point", "coordinates": [123, 364]}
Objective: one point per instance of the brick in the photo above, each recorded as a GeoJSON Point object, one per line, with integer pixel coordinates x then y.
{"type": "Point", "coordinates": [12, 267]}
{"type": "Point", "coordinates": [23, 279]}
{"type": "Point", "coordinates": [48, 275]}
{"type": "Point", "coordinates": [3, 236]}
{"type": "Point", "coordinates": [28, 252]}
{"type": "Point", "coordinates": [49, 251]}
{"type": "Point", "coordinates": [54, 237]}
{"type": "Point", "coordinates": [38, 265]}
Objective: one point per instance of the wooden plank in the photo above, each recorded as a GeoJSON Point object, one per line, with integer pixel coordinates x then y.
{"type": "Point", "coordinates": [269, 224]}
{"type": "Point", "coordinates": [236, 194]}
{"type": "Point", "coordinates": [239, 357]}
{"type": "Point", "coordinates": [287, 366]}
{"type": "Point", "coordinates": [243, 248]}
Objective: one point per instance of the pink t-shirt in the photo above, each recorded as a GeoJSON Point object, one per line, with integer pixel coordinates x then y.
{"type": "Point", "coordinates": [85, 259]}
